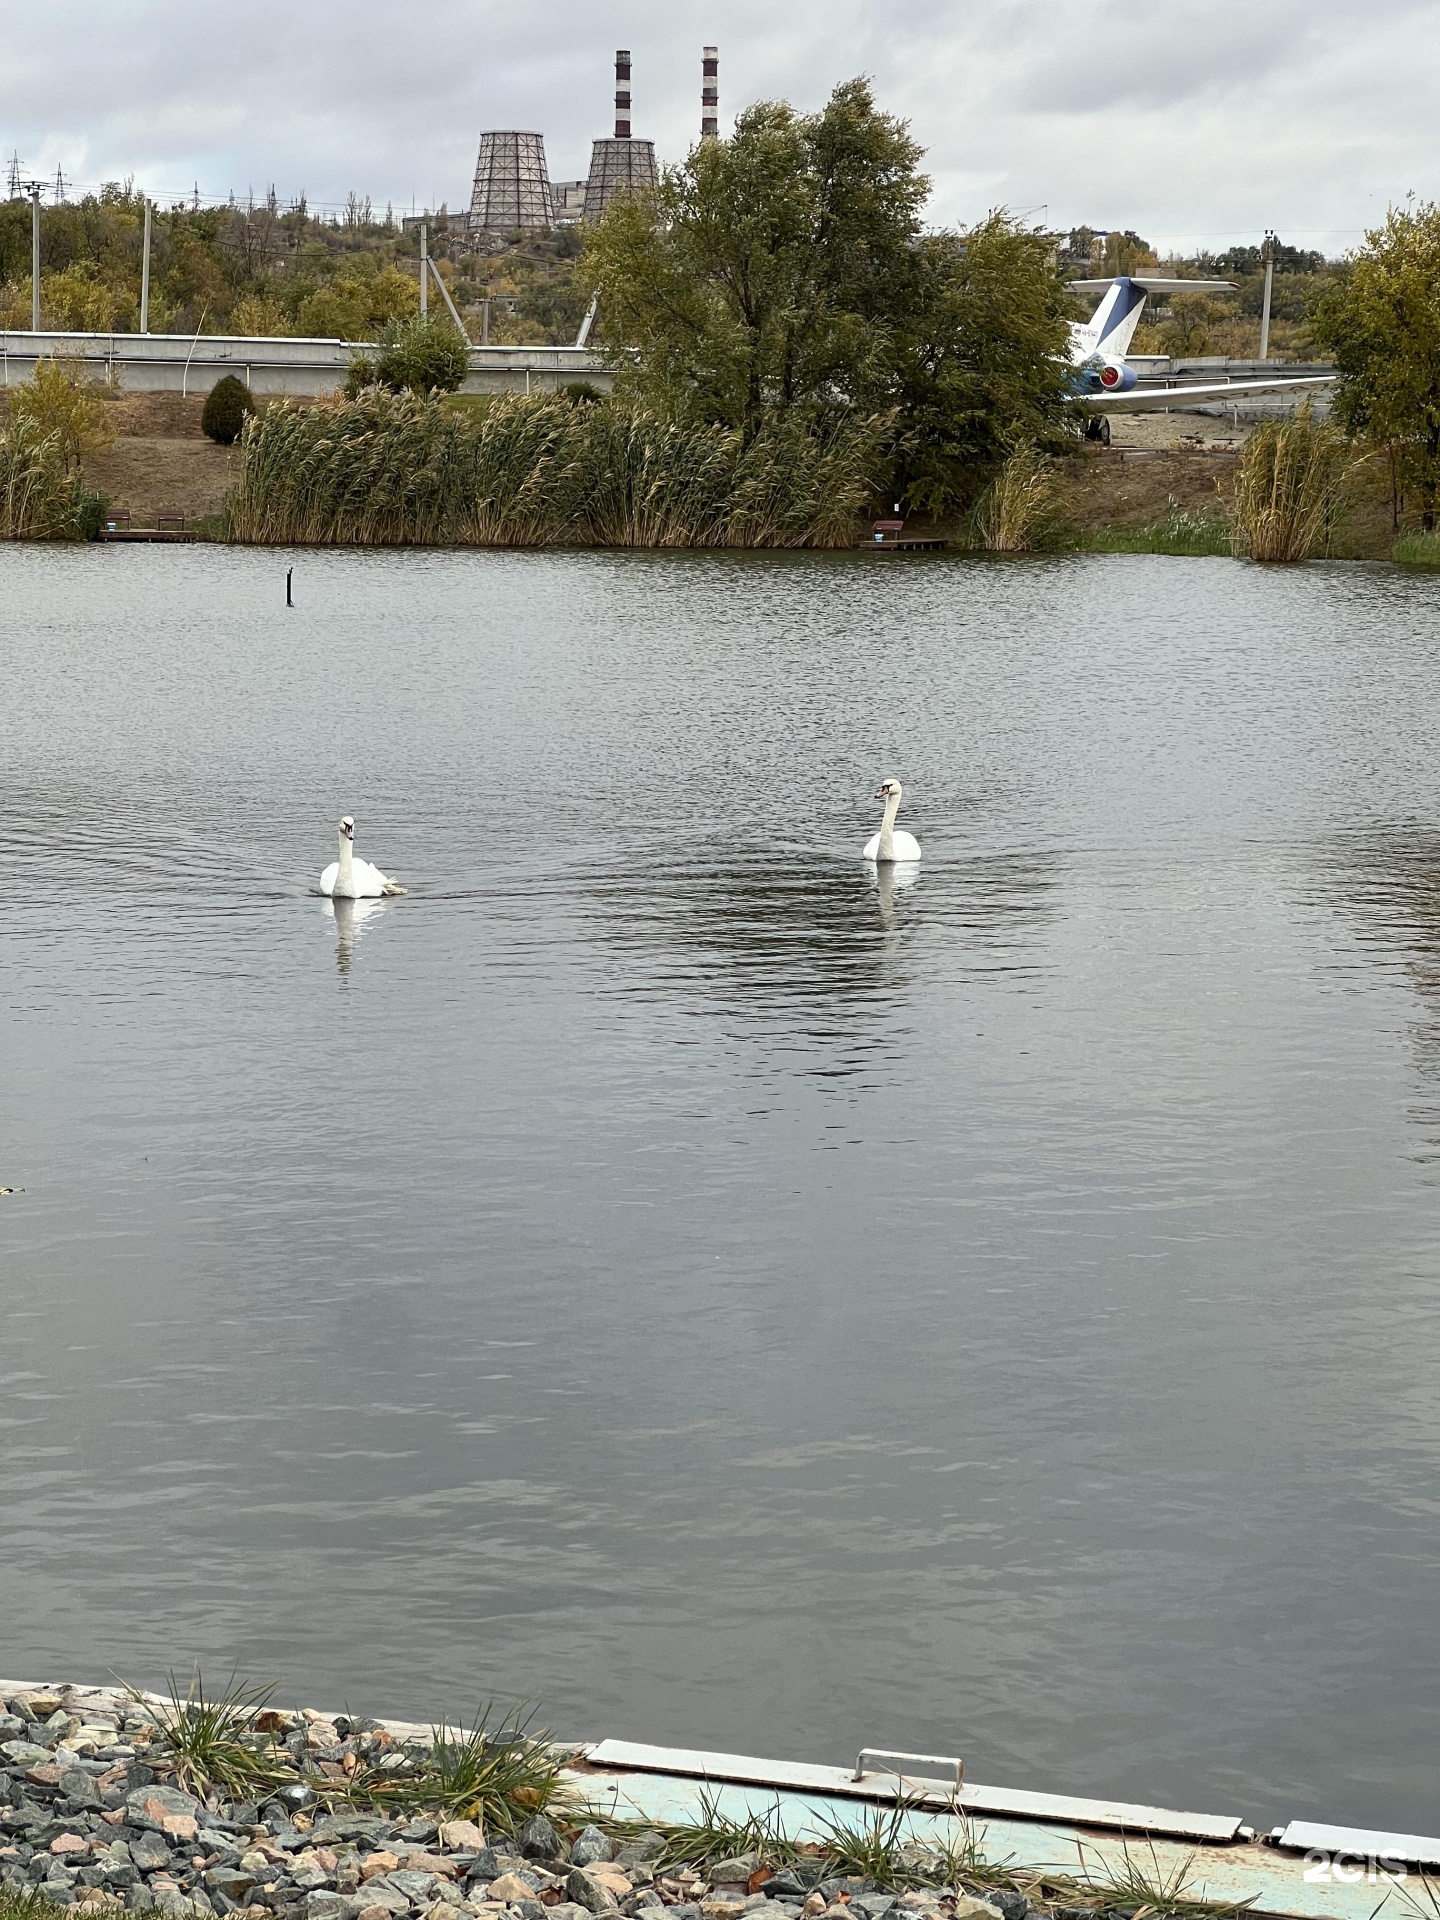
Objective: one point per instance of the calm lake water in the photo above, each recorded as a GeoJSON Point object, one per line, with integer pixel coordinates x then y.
{"type": "Point", "coordinates": [656, 1269]}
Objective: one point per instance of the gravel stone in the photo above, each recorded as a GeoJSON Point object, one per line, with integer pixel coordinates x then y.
{"type": "Point", "coordinates": [510, 1887]}
{"type": "Point", "coordinates": [148, 1808]}
{"type": "Point", "coordinates": [538, 1839]}
{"type": "Point", "coordinates": [589, 1892]}
{"type": "Point", "coordinates": [648, 1846]}
{"type": "Point", "coordinates": [321, 1905]}
{"type": "Point", "coordinates": [592, 1845]}
{"type": "Point", "coordinates": [377, 1898]}
{"type": "Point", "coordinates": [734, 1871]}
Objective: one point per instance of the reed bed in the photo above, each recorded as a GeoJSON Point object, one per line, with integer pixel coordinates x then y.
{"type": "Point", "coordinates": [39, 500]}
{"type": "Point", "coordinates": [1417, 550]}
{"type": "Point", "coordinates": [1294, 478]}
{"type": "Point", "coordinates": [387, 469]}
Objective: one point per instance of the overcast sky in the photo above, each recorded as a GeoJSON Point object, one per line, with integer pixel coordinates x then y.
{"type": "Point", "coordinates": [1197, 122]}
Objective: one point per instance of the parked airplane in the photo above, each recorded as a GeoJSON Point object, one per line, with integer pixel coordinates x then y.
{"type": "Point", "coordinates": [1103, 376]}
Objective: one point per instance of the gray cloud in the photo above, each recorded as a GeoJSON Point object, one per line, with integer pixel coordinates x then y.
{"type": "Point", "coordinates": [1190, 121]}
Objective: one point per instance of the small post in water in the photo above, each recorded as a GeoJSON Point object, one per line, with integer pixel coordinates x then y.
{"type": "Point", "coordinates": [289, 582]}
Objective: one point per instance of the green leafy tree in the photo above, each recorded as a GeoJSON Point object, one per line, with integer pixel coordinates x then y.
{"type": "Point", "coordinates": [784, 271]}
{"type": "Point", "coordinates": [1382, 326]}
{"type": "Point", "coordinates": [62, 405]}
{"type": "Point", "coordinates": [978, 367]}
{"type": "Point", "coordinates": [417, 356]}
{"type": "Point", "coordinates": [1189, 322]}
{"type": "Point", "coordinates": [762, 273]}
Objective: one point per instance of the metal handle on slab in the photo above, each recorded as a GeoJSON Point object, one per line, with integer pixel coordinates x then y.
{"type": "Point", "coordinates": [956, 1766]}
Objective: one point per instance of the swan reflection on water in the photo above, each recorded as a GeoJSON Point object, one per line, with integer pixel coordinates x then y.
{"type": "Point", "coordinates": [888, 880]}
{"type": "Point", "coordinates": [350, 917]}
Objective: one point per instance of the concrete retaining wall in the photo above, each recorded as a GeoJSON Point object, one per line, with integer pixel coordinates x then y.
{"type": "Point", "coordinates": [177, 363]}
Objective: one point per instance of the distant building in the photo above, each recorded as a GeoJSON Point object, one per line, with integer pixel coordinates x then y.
{"type": "Point", "coordinates": [621, 165]}
{"type": "Point", "coordinates": [512, 185]}
{"type": "Point", "coordinates": [568, 199]}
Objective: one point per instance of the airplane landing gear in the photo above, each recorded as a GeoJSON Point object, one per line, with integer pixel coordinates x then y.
{"type": "Point", "coordinates": [1098, 430]}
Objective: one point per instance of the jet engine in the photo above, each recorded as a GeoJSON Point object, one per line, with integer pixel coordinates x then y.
{"type": "Point", "coordinates": [1115, 378]}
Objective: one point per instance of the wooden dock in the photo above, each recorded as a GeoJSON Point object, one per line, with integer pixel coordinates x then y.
{"type": "Point", "coordinates": [889, 536]}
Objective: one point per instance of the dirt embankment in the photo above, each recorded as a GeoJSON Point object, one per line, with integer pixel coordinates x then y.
{"type": "Point", "coordinates": [1138, 486]}
{"type": "Point", "coordinates": [161, 462]}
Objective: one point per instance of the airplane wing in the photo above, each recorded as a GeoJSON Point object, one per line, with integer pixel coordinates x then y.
{"type": "Point", "coordinates": [1151, 283]}
{"type": "Point", "coordinates": [1139, 397]}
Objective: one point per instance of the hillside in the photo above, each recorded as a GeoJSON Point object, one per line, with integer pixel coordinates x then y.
{"type": "Point", "coordinates": [263, 270]}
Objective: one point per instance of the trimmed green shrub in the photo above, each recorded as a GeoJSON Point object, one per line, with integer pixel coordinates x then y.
{"type": "Point", "coordinates": [225, 410]}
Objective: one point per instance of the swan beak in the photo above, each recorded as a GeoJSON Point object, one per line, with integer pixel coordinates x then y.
{"type": "Point", "coordinates": [881, 792]}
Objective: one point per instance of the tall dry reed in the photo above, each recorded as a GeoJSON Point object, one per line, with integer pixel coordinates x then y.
{"type": "Point", "coordinates": [1020, 511]}
{"type": "Point", "coordinates": [39, 500]}
{"type": "Point", "coordinates": [1294, 476]}
{"type": "Point", "coordinates": [397, 470]}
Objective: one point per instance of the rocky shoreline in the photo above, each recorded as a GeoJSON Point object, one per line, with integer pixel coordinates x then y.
{"type": "Point", "coordinates": [90, 1821]}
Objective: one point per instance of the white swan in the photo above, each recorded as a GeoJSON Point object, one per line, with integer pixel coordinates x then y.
{"type": "Point", "coordinates": [887, 844]}
{"type": "Point", "coordinates": [350, 879]}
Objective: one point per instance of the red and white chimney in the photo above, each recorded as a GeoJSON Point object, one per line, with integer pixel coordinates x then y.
{"type": "Point", "coordinates": [622, 93]}
{"type": "Point", "coordinates": [710, 94]}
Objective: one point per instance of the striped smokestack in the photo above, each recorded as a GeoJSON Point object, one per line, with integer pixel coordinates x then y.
{"type": "Point", "coordinates": [622, 93]}
{"type": "Point", "coordinates": [710, 94]}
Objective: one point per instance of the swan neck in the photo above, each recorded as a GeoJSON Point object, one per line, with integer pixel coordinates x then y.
{"type": "Point", "coordinates": [347, 859]}
{"type": "Point", "coordinates": [887, 828]}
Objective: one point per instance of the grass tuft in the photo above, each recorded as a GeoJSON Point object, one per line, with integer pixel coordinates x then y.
{"type": "Point", "coordinates": [1144, 1890]}
{"type": "Point", "coordinates": [496, 1775]}
{"type": "Point", "coordinates": [712, 1836]}
{"type": "Point", "coordinates": [1191, 534]}
{"type": "Point", "coordinates": [211, 1745]}
{"type": "Point", "coordinates": [1417, 550]}
{"type": "Point", "coordinates": [29, 1904]}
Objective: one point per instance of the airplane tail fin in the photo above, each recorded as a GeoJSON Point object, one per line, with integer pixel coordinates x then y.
{"type": "Point", "coordinates": [1112, 326]}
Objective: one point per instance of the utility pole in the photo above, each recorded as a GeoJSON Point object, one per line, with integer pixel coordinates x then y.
{"type": "Point", "coordinates": [145, 273]}
{"type": "Point", "coordinates": [34, 256]}
{"type": "Point", "coordinates": [1269, 251]}
{"type": "Point", "coordinates": [424, 272]}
